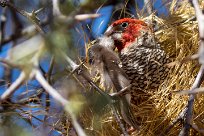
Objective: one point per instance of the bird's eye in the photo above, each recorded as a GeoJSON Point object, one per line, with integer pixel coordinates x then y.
{"type": "Point", "coordinates": [124, 25]}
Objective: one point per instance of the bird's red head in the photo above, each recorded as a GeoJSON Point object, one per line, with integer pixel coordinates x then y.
{"type": "Point", "coordinates": [125, 31]}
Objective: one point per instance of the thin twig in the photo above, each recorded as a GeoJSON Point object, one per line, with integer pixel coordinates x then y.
{"type": "Point", "coordinates": [49, 73]}
{"type": "Point", "coordinates": [175, 121]}
{"type": "Point", "coordinates": [118, 120]}
{"type": "Point", "coordinates": [111, 100]}
{"type": "Point", "coordinates": [121, 92]}
{"type": "Point", "coordinates": [30, 16]}
{"type": "Point", "coordinates": [28, 31]}
{"type": "Point", "coordinates": [49, 88]}
{"type": "Point", "coordinates": [74, 16]}
{"type": "Point", "coordinates": [13, 86]}
{"type": "Point", "coordinates": [189, 113]}
{"type": "Point", "coordinates": [53, 127]}
{"type": "Point", "coordinates": [9, 64]}
{"type": "Point", "coordinates": [195, 127]}
{"type": "Point", "coordinates": [3, 19]}
{"type": "Point", "coordinates": [194, 91]}
{"type": "Point", "coordinates": [72, 64]}
{"type": "Point", "coordinates": [48, 77]}
{"type": "Point", "coordinates": [86, 16]}
{"type": "Point", "coordinates": [149, 6]}
{"type": "Point", "coordinates": [60, 99]}
{"type": "Point", "coordinates": [200, 19]}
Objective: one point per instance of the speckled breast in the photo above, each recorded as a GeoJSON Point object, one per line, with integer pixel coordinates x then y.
{"type": "Point", "coordinates": [145, 66]}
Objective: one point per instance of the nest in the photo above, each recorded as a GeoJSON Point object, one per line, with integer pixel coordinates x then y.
{"type": "Point", "coordinates": [178, 36]}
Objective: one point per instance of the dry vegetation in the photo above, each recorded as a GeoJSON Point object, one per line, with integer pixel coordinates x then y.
{"type": "Point", "coordinates": [178, 35]}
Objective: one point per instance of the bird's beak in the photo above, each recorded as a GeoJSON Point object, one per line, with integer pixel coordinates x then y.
{"type": "Point", "coordinates": [109, 31]}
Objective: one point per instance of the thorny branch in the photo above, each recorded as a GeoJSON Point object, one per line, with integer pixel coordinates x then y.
{"type": "Point", "coordinates": [149, 7]}
{"type": "Point", "coordinates": [30, 16]}
{"type": "Point", "coordinates": [175, 121]}
{"type": "Point", "coordinates": [35, 72]}
{"type": "Point", "coordinates": [200, 18]}
{"type": "Point", "coordinates": [195, 127]}
{"type": "Point", "coordinates": [110, 98]}
{"type": "Point", "coordinates": [3, 18]}
{"type": "Point", "coordinates": [28, 31]}
{"type": "Point", "coordinates": [75, 16]}
{"type": "Point", "coordinates": [19, 81]}
{"type": "Point", "coordinates": [46, 123]}
{"type": "Point", "coordinates": [187, 114]}
{"type": "Point", "coordinates": [49, 89]}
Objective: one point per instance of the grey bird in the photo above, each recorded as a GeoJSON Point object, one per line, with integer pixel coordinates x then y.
{"type": "Point", "coordinates": [106, 61]}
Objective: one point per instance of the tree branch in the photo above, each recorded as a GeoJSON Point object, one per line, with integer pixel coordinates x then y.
{"type": "Point", "coordinates": [110, 99]}
{"type": "Point", "coordinates": [49, 88]}
{"type": "Point", "coordinates": [188, 111]}
{"type": "Point", "coordinates": [13, 86]}
{"type": "Point", "coordinates": [60, 99]}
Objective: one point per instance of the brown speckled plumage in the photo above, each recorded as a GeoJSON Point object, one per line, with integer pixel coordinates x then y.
{"type": "Point", "coordinates": [140, 62]}
{"type": "Point", "coordinates": [141, 57]}
{"type": "Point", "coordinates": [145, 68]}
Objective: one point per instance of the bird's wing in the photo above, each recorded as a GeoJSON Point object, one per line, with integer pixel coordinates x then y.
{"type": "Point", "coordinates": [107, 62]}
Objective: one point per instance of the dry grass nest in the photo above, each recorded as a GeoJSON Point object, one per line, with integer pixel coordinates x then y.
{"type": "Point", "coordinates": [178, 35]}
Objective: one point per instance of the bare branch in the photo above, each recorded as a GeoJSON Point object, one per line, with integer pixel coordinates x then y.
{"type": "Point", "coordinates": [122, 92]}
{"type": "Point", "coordinates": [77, 126]}
{"type": "Point", "coordinates": [73, 16]}
{"type": "Point", "coordinates": [200, 19]}
{"type": "Point", "coordinates": [3, 19]}
{"type": "Point", "coordinates": [28, 32]}
{"type": "Point", "coordinates": [73, 65]}
{"type": "Point", "coordinates": [13, 86]}
{"type": "Point", "coordinates": [86, 16]}
{"type": "Point", "coordinates": [195, 127]}
{"type": "Point", "coordinates": [49, 73]}
{"type": "Point", "coordinates": [60, 99]}
{"type": "Point", "coordinates": [108, 97]}
{"type": "Point", "coordinates": [49, 88]}
{"type": "Point", "coordinates": [194, 91]}
{"type": "Point", "coordinates": [30, 16]}
{"type": "Point", "coordinates": [200, 76]}
{"type": "Point", "coordinates": [56, 11]}
{"type": "Point", "coordinates": [149, 6]}
{"type": "Point", "coordinates": [119, 121]}
{"type": "Point", "coordinates": [8, 63]}
{"type": "Point", "coordinates": [173, 123]}
{"type": "Point", "coordinates": [189, 112]}
{"type": "Point", "coordinates": [59, 16]}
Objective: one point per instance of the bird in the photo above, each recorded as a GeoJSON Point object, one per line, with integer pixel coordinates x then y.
{"type": "Point", "coordinates": [141, 56]}
{"type": "Point", "coordinates": [102, 58]}
{"type": "Point", "coordinates": [128, 54]}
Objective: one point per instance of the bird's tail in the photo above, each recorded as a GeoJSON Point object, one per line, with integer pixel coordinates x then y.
{"type": "Point", "coordinates": [127, 114]}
